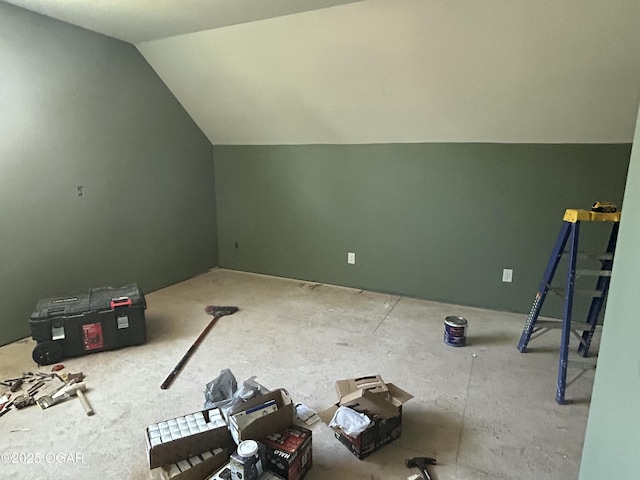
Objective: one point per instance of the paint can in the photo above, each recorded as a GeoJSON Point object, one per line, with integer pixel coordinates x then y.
{"type": "Point", "coordinates": [246, 462]}
{"type": "Point", "coordinates": [455, 331]}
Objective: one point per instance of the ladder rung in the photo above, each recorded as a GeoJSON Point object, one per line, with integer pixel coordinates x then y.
{"type": "Point", "coordinates": [548, 324]}
{"type": "Point", "coordinates": [594, 273]}
{"type": "Point", "coordinates": [585, 292]}
{"type": "Point", "coordinates": [593, 256]}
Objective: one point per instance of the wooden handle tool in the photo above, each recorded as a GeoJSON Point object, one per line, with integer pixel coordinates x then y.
{"type": "Point", "coordinates": [81, 387]}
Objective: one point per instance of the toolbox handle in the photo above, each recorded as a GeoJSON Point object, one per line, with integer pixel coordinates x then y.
{"type": "Point", "coordinates": [56, 311]}
{"type": "Point", "coordinates": [120, 302]}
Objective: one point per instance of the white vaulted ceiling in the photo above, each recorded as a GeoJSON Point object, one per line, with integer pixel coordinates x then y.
{"type": "Point", "coordinates": [385, 71]}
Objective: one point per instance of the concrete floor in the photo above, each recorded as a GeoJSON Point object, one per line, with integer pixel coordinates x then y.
{"type": "Point", "coordinates": [485, 411]}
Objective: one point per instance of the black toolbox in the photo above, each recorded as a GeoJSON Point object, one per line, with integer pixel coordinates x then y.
{"type": "Point", "coordinates": [89, 322]}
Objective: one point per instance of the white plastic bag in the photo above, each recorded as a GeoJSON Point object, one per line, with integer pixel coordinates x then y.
{"type": "Point", "coordinates": [223, 392]}
{"type": "Point", "coordinates": [220, 391]}
{"type": "Point", "coordinates": [349, 421]}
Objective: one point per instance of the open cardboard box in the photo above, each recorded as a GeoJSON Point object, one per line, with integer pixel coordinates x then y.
{"type": "Point", "coordinates": [261, 427]}
{"type": "Point", "coordinates": [382, 403]}
{"type": "Point", "coordinates": [189, 446]}
{"type": "Point", "coordinates": [371, 383]}
{"type": "Point", "coordinates": [224, 437]}
{"type": "Point", "coordinates": [204, 469]}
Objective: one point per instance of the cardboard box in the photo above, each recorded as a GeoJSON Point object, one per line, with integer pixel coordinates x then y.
{"type": "Point", "coordinates": [216, 435]}
{"type": "Point", "coordinates": [371, 383]}
{"type": "Point", "coordinates": [245, 417]}
{"type": "Point", "coordinates": [383, 408]}
{"type": "Point", "coordinates": [174, 454]}
{"type": "Point", "coordinates": [383, 431]}
{"type": "Point", "coordinates": [267, 424]}
{"type": "Point", "coordinates": [289, 452]}
{"type": "Point", "coordinates": [197, 467]}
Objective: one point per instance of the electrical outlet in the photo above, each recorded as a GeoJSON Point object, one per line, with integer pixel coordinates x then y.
{"type": "Point", "coordinates": [507, 275]}
{"type": "Point", "coordinates": [351, 258]}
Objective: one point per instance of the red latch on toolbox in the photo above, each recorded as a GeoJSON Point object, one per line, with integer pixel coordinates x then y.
{"type": "Point", "coordinates": [120, 302]}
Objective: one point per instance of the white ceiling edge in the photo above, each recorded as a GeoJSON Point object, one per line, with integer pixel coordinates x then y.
{"type": "Point", "coordinates": [412, 71]}
{"type": "Point", "coordinates": [136, 21]}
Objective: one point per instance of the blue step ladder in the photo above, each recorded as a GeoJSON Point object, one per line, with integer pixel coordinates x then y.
{"type": "Point", "coordinates": [569, 233]}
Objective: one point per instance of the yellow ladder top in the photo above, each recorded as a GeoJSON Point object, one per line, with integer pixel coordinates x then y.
{"type": "Point", "coordinates": [575, 215]}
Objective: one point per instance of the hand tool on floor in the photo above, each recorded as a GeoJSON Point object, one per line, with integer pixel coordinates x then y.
{"type": "Point", "coordinates": [72, 377]}
{"type": "Point", "coordinates": [217, 312]}
{"type": "Point", "coordinates": [65, 391]}
{"type": "Point", "coordinates": [69, 379]}
{"type": "Point", "coordinates": [33, 389]}
{"type": "Point", "coordinates": [421, 464]}
{"type": "Point", "coordinates": [81, 388]}
{"type": "Point", "coordinates": [23, 401]}
{"type": "Point", "coordinates": [6, 408]}
{"type": "Point", "coordinates": [56, 396]}
{"type": "Point", "coordinates": [15, 386]}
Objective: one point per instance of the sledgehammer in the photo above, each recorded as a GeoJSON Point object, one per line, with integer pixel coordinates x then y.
{"type": "Point", "coordinates": [217, 312]}
{"type": "Point", "coordinates": [421, 464]}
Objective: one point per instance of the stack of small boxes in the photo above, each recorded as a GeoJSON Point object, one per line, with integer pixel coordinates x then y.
{"type": "Point", "coordinates": [183, 466]}
{"type": "Point", "coordinates": [205, 444]}
{"type": "Point", "coordinates": [180, 427]}
{"type": "Point", "coordinates": [191, 446]}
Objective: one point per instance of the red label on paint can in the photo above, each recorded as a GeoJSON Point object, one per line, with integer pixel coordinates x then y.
{"type": "Point", "coordinates": [92, 336]}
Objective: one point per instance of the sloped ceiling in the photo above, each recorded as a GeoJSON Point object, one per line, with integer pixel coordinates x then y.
{"type": "Point", "coordinates": [384, 71]}
{"type": "Point", "coordinates": [136, 21]}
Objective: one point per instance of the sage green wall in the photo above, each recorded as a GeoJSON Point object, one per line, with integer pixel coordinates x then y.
{"type": "Point", "coordinates": [611, 441]}
{"type": "Point", "coordinates": [78, 108]}
{"type": "Point", "coordinates": [434, 221]}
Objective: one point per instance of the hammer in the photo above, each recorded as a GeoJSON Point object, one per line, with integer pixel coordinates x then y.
{"type": "Point", "coordinates": [80, 388]}
{"type": "Point", "coordinates": [421, 464]}
{"type": "Point", "coordinates": [217, 312]}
